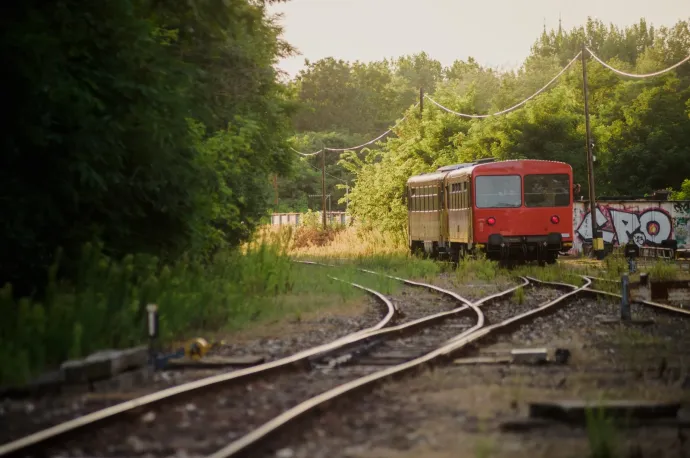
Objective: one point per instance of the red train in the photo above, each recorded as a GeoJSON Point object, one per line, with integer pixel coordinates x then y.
{"type": "Point", "coordinates": [510, 210]}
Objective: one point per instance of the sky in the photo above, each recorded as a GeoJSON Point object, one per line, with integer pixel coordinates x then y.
{"type": "Point", "coordinates": [497, 33]}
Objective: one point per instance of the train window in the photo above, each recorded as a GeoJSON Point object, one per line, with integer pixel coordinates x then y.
{"type": "Point", "coordinates": [548, 190]}
{"type": "Point", "coordinates": [498, 191]}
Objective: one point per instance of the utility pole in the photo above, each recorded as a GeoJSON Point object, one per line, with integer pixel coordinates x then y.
{"type": "Point", "coordinates": [275, 188]}
{"type": "Point", "coordinates": [597, 240]}
{"type": "Point", "coordinates": [323, 186]}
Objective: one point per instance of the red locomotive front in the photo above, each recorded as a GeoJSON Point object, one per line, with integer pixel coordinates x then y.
{"type": "Point", "coordinates": [522, 209]}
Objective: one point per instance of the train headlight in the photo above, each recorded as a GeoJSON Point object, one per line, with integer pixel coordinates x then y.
{"type": "Point", "coordinates": [555, 219]}
{"type": "Point", "coordinates": [491, 220]}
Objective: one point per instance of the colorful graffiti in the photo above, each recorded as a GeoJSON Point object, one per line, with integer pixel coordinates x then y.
{"type": "Point", "coordinates": [648, 227]}
{"type": "Point", "coordinates": [681, 226]}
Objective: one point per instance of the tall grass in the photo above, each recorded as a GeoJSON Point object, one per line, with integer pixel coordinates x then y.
{"type": "Point", "coordinates": [104, 307]}
{"type": "Point", "coordinates": [340, 242]}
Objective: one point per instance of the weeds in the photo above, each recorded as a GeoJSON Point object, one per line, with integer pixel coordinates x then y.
{"type": "Point", "coordinates": [105, 306]}
{"type": "Point", "coordinates": [484, 447]}
{"type": "Point", "coordinates": [520, 295]}
{"type": "Point", "coordinates": [601, 433]}
{"type": "Point", "coordinates": [664, 271]}
{"type": "Point", "coordinates": [478, 268]}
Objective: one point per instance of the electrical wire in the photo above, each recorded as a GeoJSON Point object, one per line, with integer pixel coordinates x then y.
{"type": "Point", "coordinates": [352, 148]}
{"type": "Point", "coordinates": [306, 154]}
{"type": "Point", "coordinates": [374, 140]}
{"type": "Point", "coordinates": [514, 107]}
{"type": "Point", "coordinates": [632, 75]}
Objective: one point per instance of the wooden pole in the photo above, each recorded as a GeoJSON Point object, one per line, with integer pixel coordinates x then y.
{"type": "Point", "coordinates": [597, 240]}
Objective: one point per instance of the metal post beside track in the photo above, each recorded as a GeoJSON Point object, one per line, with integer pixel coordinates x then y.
{"type": "Point", "coordinates": [625, 298]}
{"type": "Point", "coordinates": [323, 186]}
{"type": "Point", "coordinates": [153, 323]}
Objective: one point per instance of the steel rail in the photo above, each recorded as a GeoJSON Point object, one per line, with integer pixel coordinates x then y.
{"type": "Point", "coordinates": [89, 419]}
{"type": "Point", "coordinates": [321, 350]}
{"type": "Point", "coordinates": [658, 305]}
{"type": "Point", "coordinates": [471, 335]}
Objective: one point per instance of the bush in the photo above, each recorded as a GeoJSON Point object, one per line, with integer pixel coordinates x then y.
{"type": "Point", "coordinates": [105, 306]}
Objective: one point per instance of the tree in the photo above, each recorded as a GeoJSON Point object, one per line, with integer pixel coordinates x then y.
{"type": "Point", "coordinates": [126, 116]}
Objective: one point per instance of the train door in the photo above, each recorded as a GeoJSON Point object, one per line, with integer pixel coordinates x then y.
{"type": "Point", "coordinates": [469, 202]}
{"type": "Point", "coordinates": [443, 213]}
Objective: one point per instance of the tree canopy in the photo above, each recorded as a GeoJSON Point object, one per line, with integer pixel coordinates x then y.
{"type": "Point", "coordinates": [641, 127]}
{"type": "Point", "coordinates": [157, 127]}
{"type": "Point", "coordinates": [149, 125]}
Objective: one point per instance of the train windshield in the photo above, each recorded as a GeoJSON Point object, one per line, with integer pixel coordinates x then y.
{"type": "Point", "coordinates": [502, 191]}
{"type": "Point", "coordinates": [551, 190]}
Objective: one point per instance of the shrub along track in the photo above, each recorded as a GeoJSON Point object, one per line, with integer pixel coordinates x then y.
{"type": "Point", "coordinates": [174, 405]}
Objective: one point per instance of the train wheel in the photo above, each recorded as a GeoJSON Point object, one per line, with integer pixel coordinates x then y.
{"type": "Point", "coordinates": [417, 249]}
{"type": "Point", "coordinates": [550, 258]}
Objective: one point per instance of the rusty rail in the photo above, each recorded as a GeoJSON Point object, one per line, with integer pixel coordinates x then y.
{"type": "Point", "coordinates": [473, 334]}
{"type": "Point", "coordinates": [280, 364]}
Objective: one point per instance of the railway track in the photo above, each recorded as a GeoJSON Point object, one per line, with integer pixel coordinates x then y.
{"type": "Point", "coordinates": [272, 402]}
{"type": "Point", "coordinates": [269, 373]}
{"type": "Point", "coordinates": [499, 319]}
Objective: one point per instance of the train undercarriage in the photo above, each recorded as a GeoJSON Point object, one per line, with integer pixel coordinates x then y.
{"type": "Point", "coordinates": [543, 249]}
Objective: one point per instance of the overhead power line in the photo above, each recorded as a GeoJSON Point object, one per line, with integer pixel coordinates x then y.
{"type": "Point", "coordinates": [306, 154]}
{"type": "Point", "coordinates": [514, 107]}
{"type": "Point", "coordinates": [633, 75]}
{"type": "Point", "coordinates": [352, 148]}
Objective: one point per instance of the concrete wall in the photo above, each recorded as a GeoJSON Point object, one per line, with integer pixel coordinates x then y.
{"type": "Point", "coordinates": [646, 222]}
{"type": "Point", "coordinates": [294, 219]}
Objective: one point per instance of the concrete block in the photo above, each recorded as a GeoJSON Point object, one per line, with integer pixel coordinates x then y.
{"type": "Point", "coordinates": [519, 425]}
{"type": "Point", "coordinates": [483, 360]}
{"type": "Point", "coordinates": [125, 381]}
{"type": "Point", "coordinates": [211, 362]}
{"type": "Point", "coordinates": [561, 356]}
{"type": "Point", "coordinates": [104, 364]}
{"type": "Point", "coordinates": [574, 411]}
{"type": "Point", "coordinates": [136, 357]}
{"type": "Point", "coordinates": [529, 355]}
{"type": "Point", "coordinates": [73, 371]}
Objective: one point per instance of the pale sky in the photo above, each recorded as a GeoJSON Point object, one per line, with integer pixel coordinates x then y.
{"type": "Point", "coordinates": [498, 33]}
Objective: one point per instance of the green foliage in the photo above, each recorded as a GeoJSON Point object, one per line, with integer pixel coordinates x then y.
{"type": "Point", "coordinates": [664, 271]}
{"type": "Point", "coordinates": [478, 268]}
{"type": "Point", "coordinates": [151, 126]}
{"type": "Point", "coordinates": [641, 128]}
{"type": "Point", "coordinates": [519, 295]}
{"type": "Point", "coordinates": [601, 433]}
{"type": "Point", "coordinates": [105, 306]}
{"type": "Point", "coordinates": [684, 192]}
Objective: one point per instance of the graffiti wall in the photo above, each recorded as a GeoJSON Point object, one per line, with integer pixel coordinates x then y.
{"type": "Point", "coordinates": [647, 223]}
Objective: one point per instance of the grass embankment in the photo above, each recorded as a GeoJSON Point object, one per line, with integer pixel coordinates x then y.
{"type": "Point", "coordinates": [105, 306]}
